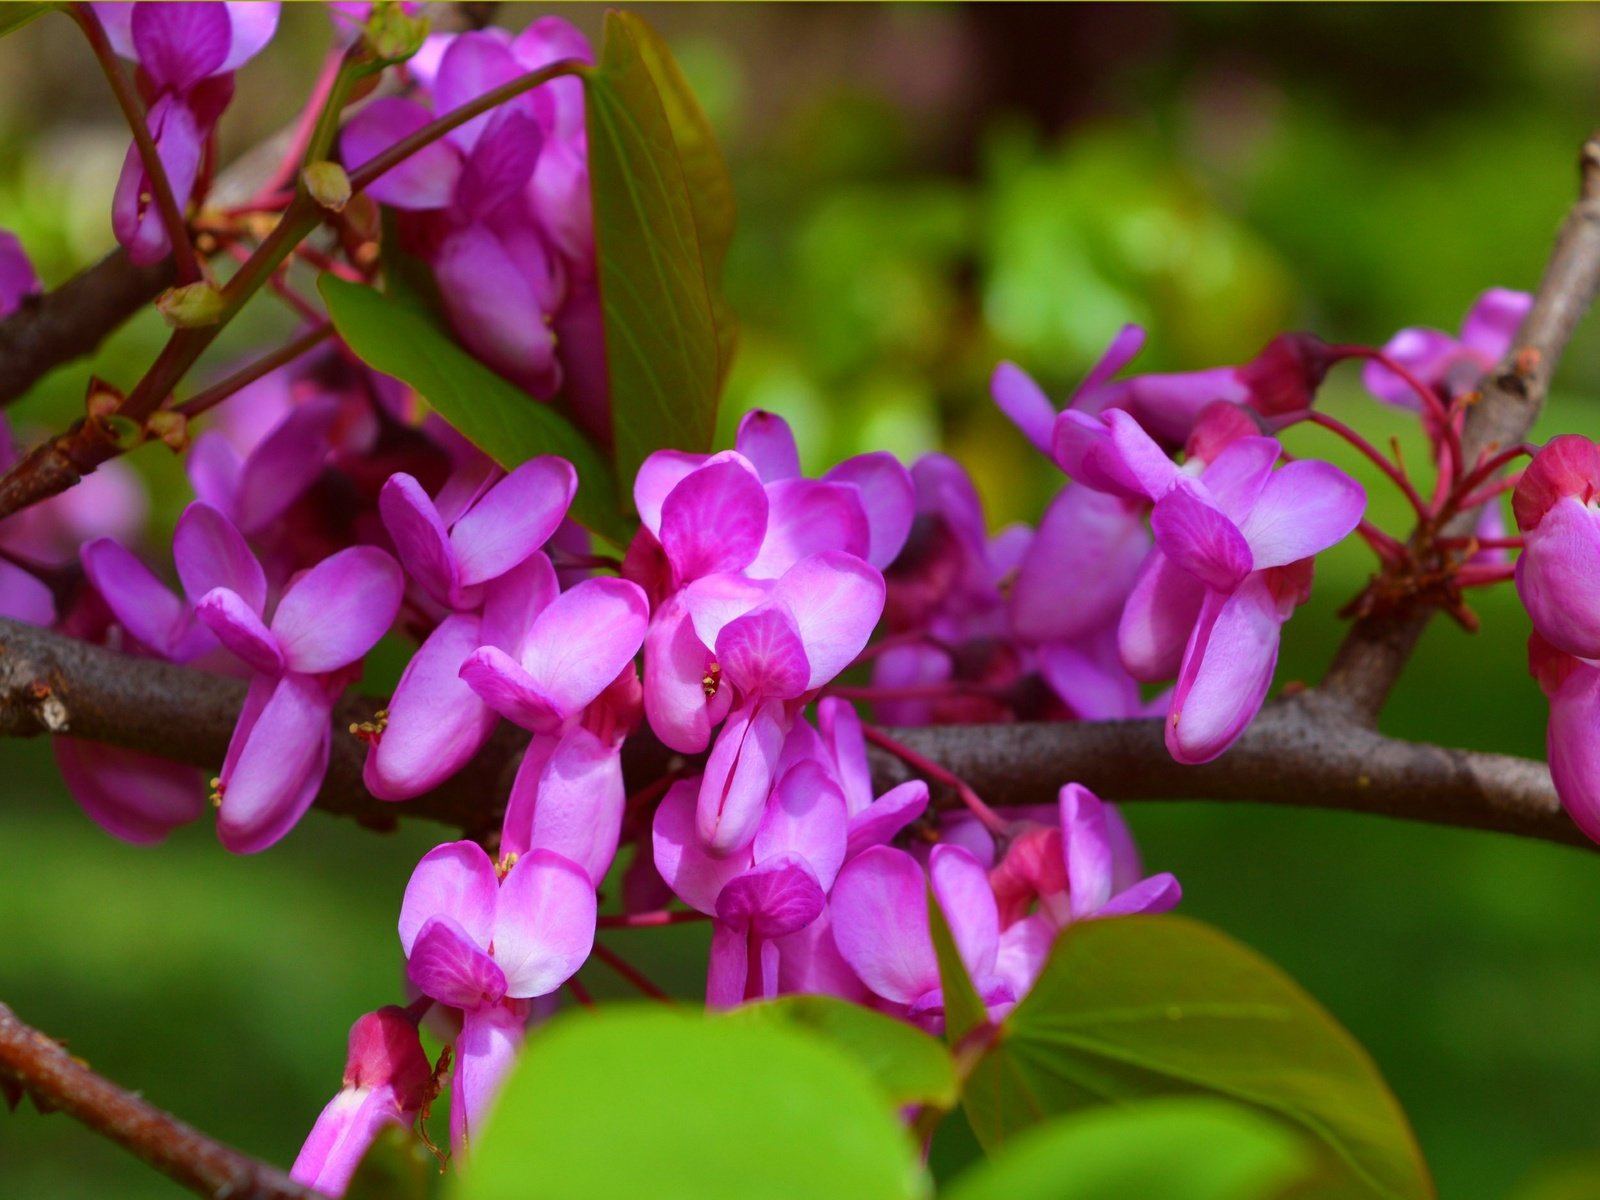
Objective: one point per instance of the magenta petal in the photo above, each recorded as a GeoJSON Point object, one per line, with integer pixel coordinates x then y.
{"type": "Point", "coordinates": [1236, 478]}
{"type": "Point", "coordinates": [496, 306]}
{"type": "Point", "coordinates": [886, 816]}
{"type": "Point", "coordinates": [738, 776]}
{"type": "Point", "coordinates": [420, 538]}
{"type": "Point", "coordinates": [239, 628]}
{"type": "Point", "coordinates": [835, 600]}
{"type": "Point", "coordinates": [135, 217]}
{"type": "Point", "coordinates": [180, 44]}
{"type": "Point", "coordinates": [1138, 454]}
{"type": "Point", "coordinates": [715, 600]}
{"type": "Point", "coordinates": [772, 899]}
{"type": "Point", "coordinates": [24, 598]}
{"type": "Point", "coordinates": [810, 963]}
{"type": "Point", "coordinates": [500, 164]}
{"type": "Point", "coordinates": [1078, 570]}
{"type": "Point", "coordinates": [961, 886]}
{"type": "Point", "coordinates": [1024, 949]}
{"type": "Point", "coordinates": [879, 911]}
{"type": "Point", "coordinates": [1556, 577]}
{"type": "Point", "coordinates": [278, 767]}
{"type": "Point", "coordinates": [1305, 507]}
{"type": "Point", "coordinates": [17, 277]}
{"type": "Point", "coordinates": [727, 971]}
{"type": "Point", "coordinates": [456, 880]}
{"type": "Point", "coordinates": [888, 497]}
{"type": "Point", "coordinates": [337, 611]}
{"type": "Point", "coordinates": [761, 654]}
{"type": "Point", "coordinates": [116, 18]}
{"type": "Point", "coordinates": [693, 874]}
{"type": "Point", "coordinates": [1094, 686]}
{"type": "Point", "coordinates": [514, 518]}
{"type": "Point", "coordinates": [436, 721]}
{"type": "Point", "coordinates": [1226, 671]}
{"type": "Point", "coordinates": [805, 819]}
{"type": "Point", "coordinates": [846, 745]}
{"type": "Point", "coordinates": [808, 516]}
{"type": "Point", "coordinates": [658, 475]}
{"type": "Point", "coordinates": [1573, 750]}
{"type": "Point", "coordinates": [1024, 401]}
{"type": "Point", "coordinates": [1426, 353]}
{"type": "Point", "coordinates": [1086, 848]}
{"type": "Point", "coordinates": [584, 638]}
{"type": "Point", "coordinates": [133, 796]}
{"type": "Point", "coordinates": [676, 666]}
{"type": "Point", "coordinates": [213, 467]}
{"type": "Point", "coordinates": [1158, 617]}
{"type": "Point", "coordinates": [1121, 351]}
{"type": "Point", "coordinates": [1197, 537]}
{"type": "Point", "coordinates": [427, 179]}
{"type": "Point", "coordinates": [1158, 894]}
{"type": "Point", "coordinates": [485, 1051]}
{"type": "Point", "coordinates": [504, 686]}
{"type": "Point", "coordinates": [544, 923]}
{"type": "Point", "coordinates": [474, 63]}
{"type": "Point", "coordinates": [210, 553]}
{"type": "Point", "coordinates": [343, 1133]}
{"type": "Point", "coordinates": [767, 441]}
{"type": "Point", "coordinates": [713, 520]}
{"type": "Point", "coordinates": [512, 602]}
{"type": "Point", "coordinates": [1492, 322]}
{"type": "Point", "coordinates": [252, 26]}
{"type": "Point", "coordinates": [575, 806]}
{"type": "Point", "coordinates": [445, 963]}
{"type": "Point", "coordinates": [142, 604]}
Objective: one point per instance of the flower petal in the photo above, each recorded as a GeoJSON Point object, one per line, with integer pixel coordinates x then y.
{"type": "Point", "coordinates": [571, 803]}
{"type": "Point", "coordinates": [1025, 403]}
{"type": "Point", "coordinates": [767, 441]}
{"type": "Point", "coordinates": [738, 777]}
{"type": "Point", "coordinates": [142, 604]}
{"type": "Point", "coordinates": [584, 638]}
{"type": "Point", "coordinates": [180, 44]}
{"type": "Point", "coordinates": [1079, 568]}
{"type": "Point", "coordinates": [1227, 669]}
{"type": "Point", "coordinates": [239, 628]}
{"type": "Point", "coordinates": [773, 898]}
{"type": "Point", "coordinates": [278, 766]}
{"type": "Point", "coordinates": [805, 819]}
{"type": "Point", "coordinates": [888, 497]}
{"type": "Point", "coordinates": [835, 599]}
{"type": "Point", "coordinates": [252, 25]}
{"type": "Point", "coordinates": [658, 475]}
{"type": "Point", "coordinates": [762, 655]}
{"type": "Point", "coordinates": [1305, 507]}
{"type": "Point", "coordinates": [1158, 617]}
{"type": "Point", "coordinates": [677, 665]}
{"type": "Point", "coordinates": [210, 553]}
{"type": "Point", "coordinates": [136, 797]}
{"type": "Point", "coordinates": [1492, 322]}
{"type": "Point", "coordinates": [879, 911]}
{"type": "Point", "coordinates": [695, 876]}
{"type": "Point", "coordinates": [446, 963]}
{"type": "Point", "coordinates": [334, 613]}
{"type": "Point", "coordinates": [544, 923]}
{"type": "Point", "coordinates": [455, 880]}
{"type": "Point", "coordinates": [514, 519]}
{"type": "Point", "coordinates": [808, 516]}
{"type": "Point", "coordinates": [485, 1051]}
{"type": "Point", "coordinates": [886, 816]}
{"type": "Point", "coordinates": [24, 598]}
{"type": "Point", "coordinates": [961, 886]}
{"type": "Point", "coordinates": [1157, 894]}
{"type": "Point", "coordinates": [847, 747]}
{"type": "Point", "coordinates": [1086, 850]}
{"type": "Point", "coordinates": [420, 538]}
{"type": "Point", "coordinates": [714, 519]}
{"type": "Point", "coordinates": [427, 179]}
{"type": "Point", "coordinates": [1556, 577]}
{"type": "Point", "coordinates": [504, 686]}
{"type": "Point", "coordinates": [1198, 538]}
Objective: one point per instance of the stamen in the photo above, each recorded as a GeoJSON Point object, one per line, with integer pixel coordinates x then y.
{"type": "Point", "coordinates": [711, 680]}
{"type": "Point", "coordinates": [216, 791]}
{"type": "Point", "coordinates": [371, 732]}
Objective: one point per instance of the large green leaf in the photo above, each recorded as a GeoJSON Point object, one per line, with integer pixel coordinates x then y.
{"type": "Point", "coordinates": [1173, 1149]}
{"type": "Point", "coordinates": [1146, 1006]}
{"type": "Point", "coordinates": [662, 355]}
{"type": "Point", "coordinates": [710, 186]}
{"type": "Point", "coordinates": [964, 1010]}
{"type": "Point", "coordinates": [498, 417]}
{"type": "Point", "coordinates": [909, 1065]}
{"type": "Point", "coordinates": [644, 1101]}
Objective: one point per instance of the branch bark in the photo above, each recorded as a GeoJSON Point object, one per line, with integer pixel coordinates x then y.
{"type": "Point", "coordinates": [1375, 651]}
{"type": "Point", "coordinates": [40, 1066]}
{"type": "Point", "coordinates": [1300, 751]}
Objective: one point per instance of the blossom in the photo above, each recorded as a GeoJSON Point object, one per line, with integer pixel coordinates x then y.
{"type": "Point", "coordinates": [1449, 364]}
{"type": "Point", "coordinates": [484, 944]}
{"type": "Point", "coordinates": [186, 53]}
{"type": "Point", "coordinates": [1555, 505]}
{"type": "Point", "coordinates": [17, 278]}
{"type": "Point", "coordinates": [386, 1082]}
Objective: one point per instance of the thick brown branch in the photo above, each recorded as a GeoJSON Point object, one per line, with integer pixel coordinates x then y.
{"type": "Point", "coordinates": [1376, 649]}
{"type": "Point", "coordinates": [40, 1066]}
{"type": "Point", "coordinates": [1302, 751]}
{"type": "Point", "coordinates": [73, 320]}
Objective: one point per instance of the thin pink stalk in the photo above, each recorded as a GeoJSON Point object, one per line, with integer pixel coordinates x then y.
{"type": "Point", "coordinates": [992, 821]}
{"type": "Point", "coordinates": [651, 920]}
{"type": "Point", "coordinates": [629, 972]}
{"type": "Point", "coordinates": [1372, 453]}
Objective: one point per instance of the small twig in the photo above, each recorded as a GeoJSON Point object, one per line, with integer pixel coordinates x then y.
{"type": "Point", "coordinates": [41, 1067]}
{"type": "Point", "coordinates": [245, 376]}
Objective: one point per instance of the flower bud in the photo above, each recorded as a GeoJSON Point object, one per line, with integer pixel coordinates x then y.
{"type": "Point", "coordinates": [327, 184]}
{"type": "Point", "coordinates": [191, 306]}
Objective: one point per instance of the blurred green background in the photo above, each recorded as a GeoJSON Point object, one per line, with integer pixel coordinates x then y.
{"type": "Point", "coordinates": [923, 191]}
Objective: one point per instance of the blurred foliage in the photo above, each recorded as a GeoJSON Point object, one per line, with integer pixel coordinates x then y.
{"type": "Point", "coordinates": [922, 191]}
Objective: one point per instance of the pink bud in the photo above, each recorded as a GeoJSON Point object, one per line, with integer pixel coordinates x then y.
{"type": "Point", "coordinates": [1568, 465]}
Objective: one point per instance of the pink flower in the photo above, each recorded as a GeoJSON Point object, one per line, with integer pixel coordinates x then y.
{"type": "Point", "coordinates": [1556, 508]}
{"type": "Point", "coordinates": [1450, 364]}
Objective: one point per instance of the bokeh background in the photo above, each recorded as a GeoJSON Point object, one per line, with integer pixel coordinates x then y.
{"type": "Point", "coordinates": [923, 191]}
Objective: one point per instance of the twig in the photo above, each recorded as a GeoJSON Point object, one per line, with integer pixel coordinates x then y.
{"type": "Point", "coordinates": [40, 1066]}
{"type": "Point", "coordinates": [1376, 649]}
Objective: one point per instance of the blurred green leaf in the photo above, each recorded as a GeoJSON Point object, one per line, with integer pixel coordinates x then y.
{"type": "Point", "coordinates": [908, 1064]}
{"type": "Point", "coordinates": [662, 352]}
{"type": "Point", "coordinates": [964, 1010]}
{"type": "Point", "coordinates": [1178, 1149]}
{"type": "Point", "coordinates": [1148, 1006]}
{"type": "Point", "coordinates": [499, 418]}
{"type": "Point", "coordinates": [1574, 1178]}
{"type": "Point", "coordinates": [705, 172]}
{"type": "Point", "coordinates": [645, 1101]}
{"type": "Point", "coordinates": [396, 1167]}
{"type": "Point", "coordinates": [14, 16]}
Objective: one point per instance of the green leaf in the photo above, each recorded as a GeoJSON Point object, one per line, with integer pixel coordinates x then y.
{"type": "Point", "coordinates": [496, 416]}
{"type": "Point", "coordinates": [14, 16]}
{"type": "Point", "coordinates": [1177, 1149]}
{"type": "Point", "coordinates": [646, 1101]}
{"type": "Point", "coordinates": [1147, 1006]}
{"type": "Point", "coordinates": [964, 1010]}
{"type": "Point", "coordinates": [705, 172]}
{"type": "Point", "coordinates": [909, 1065]}
{"type": "Point", "coordinates": [660, 331]}
{"type": "Point", "coordinates": [397, 1166]}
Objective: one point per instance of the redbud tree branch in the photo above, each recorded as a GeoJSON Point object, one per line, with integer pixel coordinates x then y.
{"type": "Point", "coordinates": [36, 1064]}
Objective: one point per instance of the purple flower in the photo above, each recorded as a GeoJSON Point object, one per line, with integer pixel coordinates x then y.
{"type": "Point", "coordinates": [136, 797]}
{"type": "Point", "coordinates": [387, 1078]}
{"type": "Point", "coordinates": [482, 944]}
{"type": "Point", "coordinates": [17, 279]}
{"type": "Point", "coordinates": [186, 53]}
{"type": "Point", "coordinates": [325, 621]}
{"type": "Point", "coordinates": [1572, 685]}
{"type": "Point", "coordinates": [1555, 507]}
{"type": "Point", "coordinates": [1449, 364]}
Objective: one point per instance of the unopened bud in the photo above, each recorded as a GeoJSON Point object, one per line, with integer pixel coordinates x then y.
{"type": "Point", "coordinates": [191, 306]}
{"type": "Point", "coordinates": [393, 33]}
{"type": "Point", "coordinates": [171, 427]}
{"type": "Point", "coordinates": [328, 185]}
{"type": "Point", "coordinates": [102, 399]}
